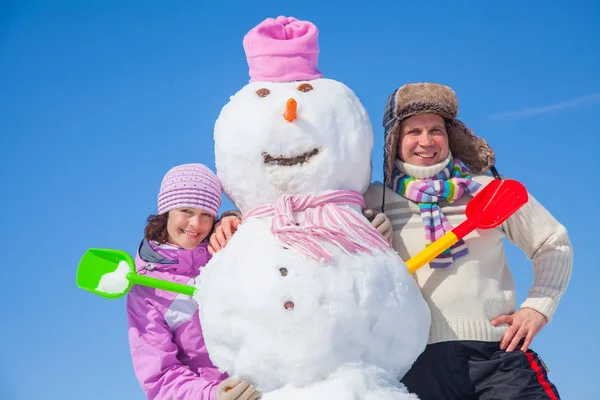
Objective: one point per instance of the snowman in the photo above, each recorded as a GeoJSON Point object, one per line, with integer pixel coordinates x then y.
{"type": "Point", "coordinates": [307, 301]}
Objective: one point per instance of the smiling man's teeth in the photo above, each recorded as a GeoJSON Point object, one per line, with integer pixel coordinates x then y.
{"type": "Point", "coordinates": [426, 155]}
{"type": "Point", "coordinates": [190, 233]}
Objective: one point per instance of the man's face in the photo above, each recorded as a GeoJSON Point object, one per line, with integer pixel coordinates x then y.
{"type": "Point", "coordinates": [423, 140]}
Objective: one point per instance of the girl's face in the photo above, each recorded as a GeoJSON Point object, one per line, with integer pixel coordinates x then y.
{"type": "Point", "coordinates": [187, 227]}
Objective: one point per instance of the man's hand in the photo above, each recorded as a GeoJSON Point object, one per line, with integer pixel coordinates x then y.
{"type": "Point", "coordinates": [525, 323]}
{"type": "Point", "coordinates": [381, 222]}
{"type": "Point", "coordinates": [234, 389]}
{"type": "Point", "coordinates": [224, 230]}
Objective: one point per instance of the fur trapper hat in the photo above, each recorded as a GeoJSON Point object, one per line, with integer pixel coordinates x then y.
{"type": "Point", "coordinates": [420, 98]}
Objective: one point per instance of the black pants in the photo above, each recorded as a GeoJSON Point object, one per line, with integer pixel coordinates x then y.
{"type": "Point", "coordinates": [478, 371]}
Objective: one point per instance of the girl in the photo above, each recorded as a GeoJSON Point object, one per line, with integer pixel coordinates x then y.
{"type": "Point", "coordinates": [168, 351]}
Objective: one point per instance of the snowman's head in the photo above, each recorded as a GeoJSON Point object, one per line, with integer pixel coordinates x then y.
{"type": "Point", "coordinates": [278, 138]}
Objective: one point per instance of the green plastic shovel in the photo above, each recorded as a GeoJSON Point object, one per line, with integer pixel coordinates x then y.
{"type": "Point", "coordinates": [111, 273]}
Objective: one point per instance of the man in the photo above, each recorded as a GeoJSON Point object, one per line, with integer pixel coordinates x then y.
{"type": "Point", "coordinates": [478, 343]}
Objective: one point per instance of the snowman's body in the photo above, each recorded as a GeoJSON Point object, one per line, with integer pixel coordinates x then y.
{"type": "Point", "coordinates": [295, 321]}
{"type": "Point", "coordinates": [293, 326]}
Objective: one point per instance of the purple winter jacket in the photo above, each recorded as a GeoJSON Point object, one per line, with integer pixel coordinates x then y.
{"type": "Point", "coordinates": [167, 347]}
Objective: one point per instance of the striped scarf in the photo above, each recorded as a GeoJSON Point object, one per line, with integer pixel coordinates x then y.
{"type": "Point", "coordinates": [449, 185]}
{"type": "Point", "coordinates": [323, 220]}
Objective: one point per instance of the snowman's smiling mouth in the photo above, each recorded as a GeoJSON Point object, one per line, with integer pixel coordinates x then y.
{"type": "Point", "coordinates": [287, 161]}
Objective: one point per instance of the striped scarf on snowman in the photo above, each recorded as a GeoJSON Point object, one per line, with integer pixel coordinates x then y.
{"type": "Point", "coordinates": [322, 219]}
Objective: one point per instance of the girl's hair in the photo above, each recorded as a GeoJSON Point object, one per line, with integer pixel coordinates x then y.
{"type": "Point", "coordinates": [156, 228]}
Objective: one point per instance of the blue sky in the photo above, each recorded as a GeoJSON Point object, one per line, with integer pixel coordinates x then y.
{"type": "Point", "coordinates": [98, 99]}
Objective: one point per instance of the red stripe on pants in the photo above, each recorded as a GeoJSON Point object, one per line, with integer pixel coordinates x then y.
{"type": "Point", "coordinates": [540, 376]}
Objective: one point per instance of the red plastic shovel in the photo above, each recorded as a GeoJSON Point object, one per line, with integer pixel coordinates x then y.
{"type": "Point", "coordinates": [490, 207]}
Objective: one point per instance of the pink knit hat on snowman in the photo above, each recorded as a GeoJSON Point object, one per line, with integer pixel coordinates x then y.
{"type": "Point", "coordinates": [282, 50]}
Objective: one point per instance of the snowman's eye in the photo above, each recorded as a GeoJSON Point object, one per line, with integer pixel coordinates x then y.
{"type": "Point", "coordinates": [263, 92]}
{"type": "Point", "coordinates": [305, 87]}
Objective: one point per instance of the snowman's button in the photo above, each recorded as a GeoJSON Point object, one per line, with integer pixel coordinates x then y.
{"type": "Point", "coordinates": [288, 305]}
{"type": "Point", "coordinates": [297, 223]}
{"type": "Point", "coordinates": [286, 248]}
{"type": "Point", "coordinates": [283, 271]}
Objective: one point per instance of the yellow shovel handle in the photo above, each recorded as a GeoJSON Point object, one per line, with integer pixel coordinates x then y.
{"type": "Point", "coordinates": [431, 252]}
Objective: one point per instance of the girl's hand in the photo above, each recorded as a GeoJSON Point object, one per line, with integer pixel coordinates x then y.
{"type": "Point", "coordinates": [224, 230]}
{"type": "Point", "coordinates": [234, 389]}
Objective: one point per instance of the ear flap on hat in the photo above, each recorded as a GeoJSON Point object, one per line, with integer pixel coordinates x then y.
{"type": "Point", "coordinates": [472, 150]}
{"type": "Point", "coordinates": [390, 149]}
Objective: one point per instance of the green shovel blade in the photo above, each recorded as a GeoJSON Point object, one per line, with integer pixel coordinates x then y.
{"type": "Point", "coordinates": [98, 265]}
{"type": "Point", "coordinates": [111, 273]}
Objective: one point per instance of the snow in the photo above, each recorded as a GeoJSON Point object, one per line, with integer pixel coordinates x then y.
{"type": "Point", "coordinates": [293, 327]}
{"type": "Point", "coordinates": [367, 383]}
{"type": "Point", "coordinates": [116, 281]}
{"type": "Point", "coordinates": [359, 309]}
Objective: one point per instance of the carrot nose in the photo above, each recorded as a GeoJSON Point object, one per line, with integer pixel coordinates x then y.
{"type": "Point", "coordinates": [290, 110]}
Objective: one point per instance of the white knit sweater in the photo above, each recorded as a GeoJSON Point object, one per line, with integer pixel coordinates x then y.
{"type": "Point", "coordinates": [479, 286]}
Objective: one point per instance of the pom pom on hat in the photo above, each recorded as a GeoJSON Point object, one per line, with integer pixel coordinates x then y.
{"type": "Point", "coordinates": [190, 185]}
{"type": "Point", "coordinates": [283, 50]}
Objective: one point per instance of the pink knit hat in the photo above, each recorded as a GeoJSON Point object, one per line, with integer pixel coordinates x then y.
{"type": "Point", "coordinates": [190, 185]}
{"type": "Point", "coordinates": [283, 50]}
